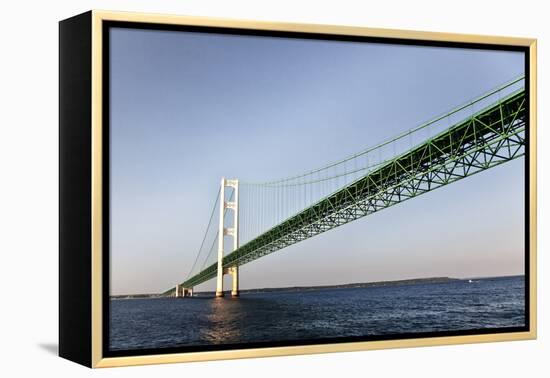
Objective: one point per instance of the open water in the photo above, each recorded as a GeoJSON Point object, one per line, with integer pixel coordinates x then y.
{"type": "Point", "coordinates": [306, 315]}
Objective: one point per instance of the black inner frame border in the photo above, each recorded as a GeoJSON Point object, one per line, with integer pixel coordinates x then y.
{"type": "Point", "coordinates": [106, 27]}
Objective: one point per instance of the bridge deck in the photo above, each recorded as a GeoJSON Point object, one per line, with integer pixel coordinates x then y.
{"type": "Point", "coordinates": [488, 138]}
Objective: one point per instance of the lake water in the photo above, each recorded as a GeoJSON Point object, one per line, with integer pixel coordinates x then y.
{"type": "Point", "coordinates": [287, 316]}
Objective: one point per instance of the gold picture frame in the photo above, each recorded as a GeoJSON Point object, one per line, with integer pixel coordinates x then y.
{"type": "Point", "coordinates": [92, 24]}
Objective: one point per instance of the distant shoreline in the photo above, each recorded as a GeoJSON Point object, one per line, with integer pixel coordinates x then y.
{"type": "Point", "coordinates": [413, 281]}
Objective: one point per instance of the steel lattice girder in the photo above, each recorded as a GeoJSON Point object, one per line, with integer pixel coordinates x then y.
{"type": "Point", "coordinates": [491, 137]}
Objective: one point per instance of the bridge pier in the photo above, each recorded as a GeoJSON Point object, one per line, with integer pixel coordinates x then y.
{"type": "Point", "coordinates": [182, 292]}
{"type": "Point", "coordinates": [234, 272]}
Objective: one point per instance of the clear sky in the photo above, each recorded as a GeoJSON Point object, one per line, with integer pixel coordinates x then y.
{"type": "Point", "coordinates": [189, 108]}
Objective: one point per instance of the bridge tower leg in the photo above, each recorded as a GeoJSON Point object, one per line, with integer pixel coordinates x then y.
{"type": "Point", "coordinates": [221, 233]}
{"type": "Point", "coordinates": [177, 291]}
{"type": "Point", "coordinates": [235, 276]}
{"type": "Point", "coordinates": [231, 231]}
{"type": "Point", "coordinates": [235, 269]}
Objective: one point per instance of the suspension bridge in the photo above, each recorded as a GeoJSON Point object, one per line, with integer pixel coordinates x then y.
{"type": "Point", "coordinates": [262, 218]}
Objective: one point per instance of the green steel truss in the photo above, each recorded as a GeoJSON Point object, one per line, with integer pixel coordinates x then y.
{"type": "Point", "coordinates": [488, 138]}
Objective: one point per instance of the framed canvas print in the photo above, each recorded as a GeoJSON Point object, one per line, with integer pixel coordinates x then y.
{"type": "Point", "coordinates": [234, 189]}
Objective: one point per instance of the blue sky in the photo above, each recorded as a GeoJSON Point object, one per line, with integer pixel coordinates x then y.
{"type": "Point", "coordinates": [189, 108]}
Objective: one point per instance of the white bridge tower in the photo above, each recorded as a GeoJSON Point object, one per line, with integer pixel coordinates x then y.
{"type": "Point", "coordinates": [229, 231]}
